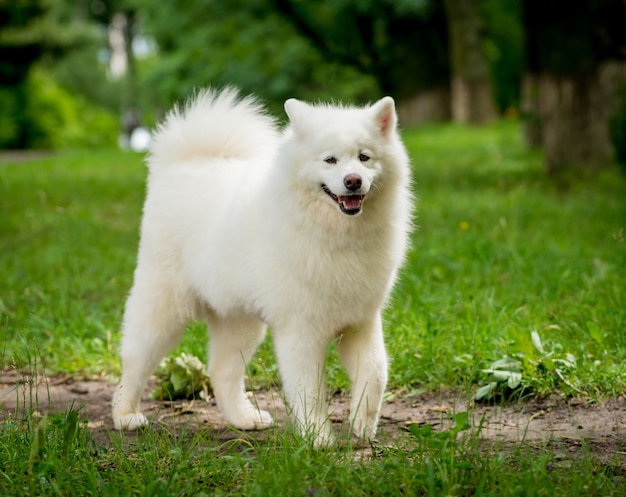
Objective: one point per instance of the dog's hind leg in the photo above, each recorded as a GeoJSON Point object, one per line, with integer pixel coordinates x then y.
{"type": "Point", "coordinates": [233, 342]}
{"type": "Point", "coordinates": [363, 354]}
{"type": "Point", "coordinates": [153, 324]}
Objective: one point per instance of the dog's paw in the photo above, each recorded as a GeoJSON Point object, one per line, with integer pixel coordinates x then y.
{"type": "Point", "coordinates": [323, 439]}
{"type": "Point", "coordinates": [253, 419]}
{"type": "Point", "coordinates": [364, 427]}
{"type": "Point", "coordinates": [130, 421]}
{"type": "Point", "coordinates": [263, 420]}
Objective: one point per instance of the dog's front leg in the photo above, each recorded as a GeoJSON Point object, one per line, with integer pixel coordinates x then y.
{"type": "Point", "coordinates": [301, 361]}
{"type": "Point", "coordinates": [363, 354]}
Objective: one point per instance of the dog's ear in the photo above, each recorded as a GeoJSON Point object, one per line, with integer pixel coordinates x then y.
{"type": "Point", "coordinates": [385, 115]}
{"type": "Point", "coordinates": [296, 111]}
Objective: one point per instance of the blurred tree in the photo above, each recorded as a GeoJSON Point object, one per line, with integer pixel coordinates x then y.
{"type": "Point", "coordinates": [120, 19]}
{"type": "Point", "coordinates": [83, 67]}
{"type": "Point", "coordinates": [504, 49]}
{"type": "Point", "coordinates": [343, 49]}
{"type": "Point", "coordinates": [402, 44]}
{"type": "Point", "coordinates": [31, 30]}
{"type": "Point", "coordinates": [569, 85]}
{"type": "Point", "coordinates": [242, 42]}
{"type": "Point", "coordinates": [25, 30]}
{"type": "Point", "coordinates": [25, 35]}
{"type": "Point", "coordinates": [472, 92]}
{"type": "Point", "coordinates": [618, 123]}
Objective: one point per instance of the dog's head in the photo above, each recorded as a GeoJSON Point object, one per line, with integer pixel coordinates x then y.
{"type": "Point", "coordinates": [341, 152]}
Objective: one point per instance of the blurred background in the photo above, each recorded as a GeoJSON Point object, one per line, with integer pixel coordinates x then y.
{"type": "Point", "coordinates": [98, 73]}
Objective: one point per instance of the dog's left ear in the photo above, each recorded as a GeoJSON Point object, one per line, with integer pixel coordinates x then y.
{"type": "Point", "coordinates": [385, 115]}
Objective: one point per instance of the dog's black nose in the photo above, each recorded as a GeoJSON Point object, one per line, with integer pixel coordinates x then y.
{"type": "Point", "coordinates": [352, 182]}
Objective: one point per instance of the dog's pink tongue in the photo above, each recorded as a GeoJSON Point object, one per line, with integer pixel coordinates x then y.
{"type": "Point", "coordinates": [351, 202]}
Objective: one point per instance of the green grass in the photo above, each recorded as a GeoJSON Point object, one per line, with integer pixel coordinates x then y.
{"type": "Point", "coordinates": [500, 251]}
{"type": "Point", "coordinates": [57, 456]}
{"type": "Point", "coordinates": [68, 237]}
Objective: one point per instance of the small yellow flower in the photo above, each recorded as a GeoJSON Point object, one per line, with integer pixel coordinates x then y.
{"type": "Point", "coordinates": [464, 225]}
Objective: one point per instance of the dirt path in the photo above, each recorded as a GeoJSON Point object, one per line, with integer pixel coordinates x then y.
{"type": "Point", "coordinates": [18, 156]}
{"type": "Point", "coordinates": [572, 426]}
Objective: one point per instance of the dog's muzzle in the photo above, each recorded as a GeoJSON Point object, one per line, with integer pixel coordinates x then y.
{"type": "Point", "coordinates": [348, 204]}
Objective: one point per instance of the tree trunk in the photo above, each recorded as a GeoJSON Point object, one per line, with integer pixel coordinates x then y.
{"type": "Point", "coordinates": [574, 122]}
{"type": "Point", "coordinates": [531, 122]}
{"type": "Point", "coordinates": [427, 106]}
{"type": "Point", "coordinates": [472, 92]}
{"type": "Point", "coordinates": [568, 94]}
{"type": "Point", "coordinates": [123, 65]}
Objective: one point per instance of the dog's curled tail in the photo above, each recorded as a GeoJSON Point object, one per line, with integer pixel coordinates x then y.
{"type": "Point", "coordinates": [214, 124]}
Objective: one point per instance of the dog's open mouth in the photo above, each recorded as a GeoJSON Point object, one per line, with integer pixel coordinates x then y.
{"type": "Point", "coordinates": [349, 204]}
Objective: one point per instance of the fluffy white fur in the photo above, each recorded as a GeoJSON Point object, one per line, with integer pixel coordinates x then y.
{"type": "Point", "coordinates": [238, 229]}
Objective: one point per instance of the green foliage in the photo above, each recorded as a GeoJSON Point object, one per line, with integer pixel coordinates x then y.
{"type": "Point", "coordinates": [533, 369]}
{"type": "Point", "coordinates": [22, 41]}
{"type": "Point", "coordinates": [341, 50]}
{"type": "Point", "coordinates": [41, 114]}
{"type": "Point", "coordinates": [80, 72]}
{"type": "Point", "coordinates": [59, 119]}
{"type": "Point", "coordinates": [246, 44]}
{"type": "Point", "coordinates": [505, 377]}
{"type": "Point", "coordinates": [504, 49]}
{"type": "Point", "coordinates": [182, 377]}
{"type": "Point", "coordinates": [9, 108]}
{"type": "Point", "coordinates": [35, 112]}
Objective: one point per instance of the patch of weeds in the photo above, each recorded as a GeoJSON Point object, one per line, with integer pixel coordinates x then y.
{"type": "Point", "coordinates": [444, 463]}
{"type": "Point", "coordinates": [43, 455]}
{"type": "Point", "coordinates": [535, 368]}
{"type": "Point", "coordinates": [439, 440]}
{"type": "Point", "coordinates": [60, 437]}
{"type": "Point", "coordinates": [504, 380]}
{"type": "Point", "coordinates": [182, 377]}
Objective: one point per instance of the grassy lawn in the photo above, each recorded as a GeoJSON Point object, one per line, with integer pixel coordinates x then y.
{"type": "Point", "coordinates": [508, 269]}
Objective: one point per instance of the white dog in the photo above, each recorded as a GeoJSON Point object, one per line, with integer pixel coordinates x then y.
{"type": "Point", "coordinates": [246, 226]}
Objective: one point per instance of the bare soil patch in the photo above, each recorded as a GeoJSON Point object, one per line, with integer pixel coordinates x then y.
{"type": "Point", "coordinates": [15, 156]}
{"type": "Point", "coordinates": [573, 426]}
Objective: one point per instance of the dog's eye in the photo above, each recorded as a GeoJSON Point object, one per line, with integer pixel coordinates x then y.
{"type": "Point", "coordinates": [364, 158]}
{"type": "Point", "coordinates": [330, 160]}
